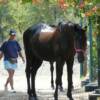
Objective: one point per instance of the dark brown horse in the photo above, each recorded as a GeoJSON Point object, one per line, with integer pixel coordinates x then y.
{"type": "Point", "coordinates": [58, 44]}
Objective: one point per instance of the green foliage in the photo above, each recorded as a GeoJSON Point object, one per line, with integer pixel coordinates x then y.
{"type": "Point", "coordinates": [97, 1]}
{"type": "Point", "coordinates": [23, 13]}
{"type": "Point", "coordinates": [26, 1]}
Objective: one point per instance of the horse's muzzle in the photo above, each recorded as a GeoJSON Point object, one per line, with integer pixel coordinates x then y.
{"type": "Point", "coordinates": [80, 57]}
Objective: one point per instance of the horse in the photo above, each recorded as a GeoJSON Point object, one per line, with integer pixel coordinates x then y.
{"type": "Point", "coordinates": [45, 43]}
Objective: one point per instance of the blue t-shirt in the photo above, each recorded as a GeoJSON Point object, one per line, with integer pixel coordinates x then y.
{"type": "Point", "coordinates": [10, 49]}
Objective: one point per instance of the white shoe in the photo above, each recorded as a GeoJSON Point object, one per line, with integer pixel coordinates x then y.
{"type": "Point", "coordinates": [12, 91]}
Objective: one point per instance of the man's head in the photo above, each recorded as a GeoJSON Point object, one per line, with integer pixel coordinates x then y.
{"type": "Point", "coordinates": [12, 32]}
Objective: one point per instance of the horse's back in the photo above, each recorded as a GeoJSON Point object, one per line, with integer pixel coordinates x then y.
{"type": "Point", "coordinates": [41, 27]}
{"type": "Point", "coordinates": [41, 31]}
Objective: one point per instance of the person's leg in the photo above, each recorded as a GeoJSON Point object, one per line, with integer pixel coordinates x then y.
{"type": "Point", "coordinates": [10, 78]}
{"type": "Point", "coordinates": [11, 74]}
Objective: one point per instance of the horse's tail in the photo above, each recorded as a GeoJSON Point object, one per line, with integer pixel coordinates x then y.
{"type": "Point", "coordinates": [25, 37]}
{"type": "Point", "coordinates": [26, 40]}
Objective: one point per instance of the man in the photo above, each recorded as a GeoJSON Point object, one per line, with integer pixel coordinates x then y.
{"type": "Point", "coordinates": [10, 49]}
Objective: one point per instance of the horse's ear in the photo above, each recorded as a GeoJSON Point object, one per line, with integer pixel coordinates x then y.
{"type": "Point", "coordinates": [59, 23]}
{"type": "Point", "coordinates": [76, 27]}
{"type": "Point", "coordinates": [85, 28]}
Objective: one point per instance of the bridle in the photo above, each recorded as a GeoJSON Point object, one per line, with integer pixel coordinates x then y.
{"type": "Point", "coordinates": [79, 50]}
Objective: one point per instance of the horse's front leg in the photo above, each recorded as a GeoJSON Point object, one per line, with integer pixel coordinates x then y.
{"type": "Point", "coordinates": [59, 70]}
{"type": "Point", "coordinates": [52, 70]}
{"type": "Point", "coordinates": [70, 72]}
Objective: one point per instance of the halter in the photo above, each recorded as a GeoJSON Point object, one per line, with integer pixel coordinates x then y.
{"type": "Point", "coordinates": [79, 50]}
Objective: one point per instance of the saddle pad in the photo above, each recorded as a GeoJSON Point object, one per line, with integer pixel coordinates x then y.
{"type": "Point", "coordinates": [46, 33]}
{"type": "Point", "coordinates": [46, 28]}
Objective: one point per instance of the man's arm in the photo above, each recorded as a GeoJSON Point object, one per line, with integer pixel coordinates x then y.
{"type": "Point", "coordinates": [20, 54]}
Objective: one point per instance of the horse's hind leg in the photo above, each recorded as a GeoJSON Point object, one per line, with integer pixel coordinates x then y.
{"type": "Point", "coordinates": [32, 95]}
{"type": "Point", "coordinates": [60, 86]}
{"type": "Point", "coordinates": [52, 80]}
{"type": "Point", "coordinates": [28, 79]}
{"type": "Point", "coordinates": [28, 72]}
{"type": "Point", "coordinates": [59, 70]}
{"type": "Point", "coordinates": [70, 82]}
{"type": "Point", "coordinates": [52, 70]}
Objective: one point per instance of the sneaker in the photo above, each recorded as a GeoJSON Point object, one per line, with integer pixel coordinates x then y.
{"type": "Point", "coordinates": [13, 91]}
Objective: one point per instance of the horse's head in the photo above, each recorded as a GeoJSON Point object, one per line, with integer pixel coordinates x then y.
{"type": "Point", "coordinates": [76, 35]}
{"type": "Point", "coordinates": [80, 41]}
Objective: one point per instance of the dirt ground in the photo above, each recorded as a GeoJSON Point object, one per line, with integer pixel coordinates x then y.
{"type": "Point", "coordinates": [43, 86]}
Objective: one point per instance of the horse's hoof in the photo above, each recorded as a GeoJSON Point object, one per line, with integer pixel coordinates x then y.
{"type": "Point", "coordinates": [52, 86]}
{"type": "Point", "coordinates": [69, 96]}
{"type": "Point", "coordinates": [71, 99]}
{"type": "Point", "coordinates": [61, 88]}
{"type": "Point", "coordinates": [55, 97]}
{"type": "Point", "coordinates": [32, 98]}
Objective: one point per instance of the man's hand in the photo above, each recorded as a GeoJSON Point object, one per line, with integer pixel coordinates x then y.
{"type": "Point", "coordinates": [23, 59]}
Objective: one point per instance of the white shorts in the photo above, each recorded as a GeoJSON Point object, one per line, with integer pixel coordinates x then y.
{"type": "Point", "coordinates": [9, 65]}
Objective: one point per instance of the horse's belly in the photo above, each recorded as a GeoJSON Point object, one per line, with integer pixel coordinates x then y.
{"type": "Point", "coordinates": [48, 56]}
{"type": "Point", "coordinates": [44, 53]}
